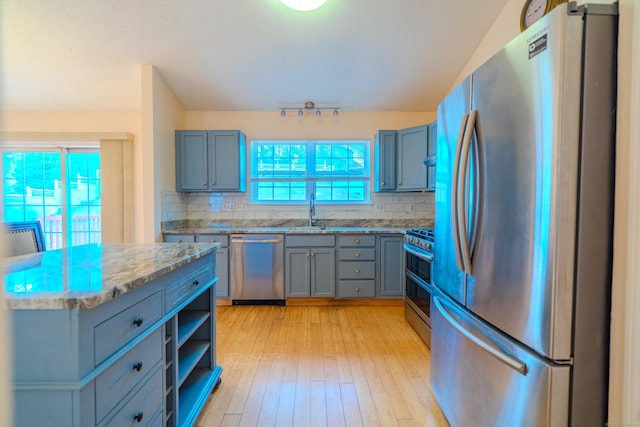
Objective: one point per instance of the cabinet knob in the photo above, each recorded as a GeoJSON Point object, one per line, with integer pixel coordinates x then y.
{"type": "Point", "coordinates": [204, 183]}
{"type": "Point", "coordinates": [196, 283]}
{"type": "Point", "coordinates": [308, 255]}
{"type": "Point", "coordinates": [137, 366]}
{"type": "Point", "coordinates": [138, 417]}
{"type": "Point", "coordinates": [312, 254]}
{"type": "Point", "coordinates": [179, 240]}
{"type": "Point", "coordinates": [357, 240]}
{"type": "Point", "coordinates": [357, 270]}
{"type": "Point", "coordinates": [138, 321]}
{"type": "Point", "coordinates": [357, 290]}
{"type": "Point", "coordinates": [382, 182]}
{"type": "Point", "coordinates": [357, 255]}
{"type": "Point", "coordinates": [213, 240]}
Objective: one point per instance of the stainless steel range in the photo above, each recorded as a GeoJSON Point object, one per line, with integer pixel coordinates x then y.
{"type": "Point", "coordinates": [418, 253]}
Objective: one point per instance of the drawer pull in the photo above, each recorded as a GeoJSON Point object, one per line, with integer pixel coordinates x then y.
{"type": "Point", "coordinates": [357, 240]}
{"type": "Point", "coordinates": [138, 416]}
{"type": "Point", "coordinates": [138, 322]}
{"type": "Point", "coordinates": [357, 270]}
{"type": "Point", "coordinates": [357, 290]}
{"type": "Point", "coordinates": [196, 283]}
{"type": "Point", "coordinates": [357, 255]}
{"type": "Point", "coordinates": [137, 366]}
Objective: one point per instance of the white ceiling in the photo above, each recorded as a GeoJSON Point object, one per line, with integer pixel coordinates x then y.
{"type": "Point", "coordinates": [227, 55]}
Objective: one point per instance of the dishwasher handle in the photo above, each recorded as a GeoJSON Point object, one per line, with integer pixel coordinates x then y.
{"type": "Point", "coordinates": [241, 240]}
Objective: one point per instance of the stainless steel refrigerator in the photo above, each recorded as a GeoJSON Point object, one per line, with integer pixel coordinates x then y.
{"type": "Point", "coordinates": [523, 229]}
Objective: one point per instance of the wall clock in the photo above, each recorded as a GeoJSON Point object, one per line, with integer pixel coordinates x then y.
{"type": "Point", "coordinates": [532, 10]}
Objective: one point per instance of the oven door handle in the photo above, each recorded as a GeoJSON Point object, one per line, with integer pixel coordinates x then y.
{"type": "Point", "coordinates": [420, 254]}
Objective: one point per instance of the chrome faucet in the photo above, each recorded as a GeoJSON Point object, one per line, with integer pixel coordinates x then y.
{"type": "Point", "coordinates": [312, 208]}
{"type": "Point", "coordinates": [312, 211]}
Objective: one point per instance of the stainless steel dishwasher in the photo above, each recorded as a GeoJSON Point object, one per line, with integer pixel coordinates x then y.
{"type": "Point", "coordinates": [257, 269]}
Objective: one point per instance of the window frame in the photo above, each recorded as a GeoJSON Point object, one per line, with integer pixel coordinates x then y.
{"type": "Point", "coordinates": [310, 177]}
{"type": "Point", "coordinates": [63, 149]}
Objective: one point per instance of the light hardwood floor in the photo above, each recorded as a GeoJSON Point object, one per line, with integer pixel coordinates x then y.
{"type": "Point", "coordinates": [320, 366]}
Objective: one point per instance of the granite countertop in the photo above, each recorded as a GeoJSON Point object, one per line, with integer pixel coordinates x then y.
{"type": "Point", "coordinates": [83, 277]}
{"type": "Point", "coordinates": [285, 230]}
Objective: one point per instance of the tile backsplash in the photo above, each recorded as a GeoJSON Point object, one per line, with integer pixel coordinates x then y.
{"type": "Point", "coordinates": [384, 209]}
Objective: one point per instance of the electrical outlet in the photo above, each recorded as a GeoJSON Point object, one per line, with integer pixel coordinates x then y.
{"type": "Point", "coordinates": [228, 207]}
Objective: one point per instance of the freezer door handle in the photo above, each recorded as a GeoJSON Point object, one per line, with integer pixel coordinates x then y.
{"type": "Point", "coordinates": [463, 223]}
{"type": "Point", "coordinates": [455, 178]}
{"type": "Point", "coordinates": [512, 362]}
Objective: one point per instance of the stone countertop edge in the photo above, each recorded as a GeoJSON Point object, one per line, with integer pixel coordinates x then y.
{"type": "Point", "coordinates": [287, 230]}
{"type": "Point", "coordinates": [83, 277]}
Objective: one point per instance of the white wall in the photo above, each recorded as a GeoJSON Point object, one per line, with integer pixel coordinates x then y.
{"type": "Point", "coordinates": [162, 113]}
{"type": "Point", "coordinates": [624, 402]}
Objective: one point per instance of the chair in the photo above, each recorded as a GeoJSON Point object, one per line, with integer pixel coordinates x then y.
{"type": "Point", "coordinates": [22, 238]}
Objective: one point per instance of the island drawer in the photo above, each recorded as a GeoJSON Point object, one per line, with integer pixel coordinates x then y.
{"type": "Point", "coordinates": [223, 239]}
{"type": "Point", "coordinates": [357, 288]}
{"type": "Point", "coordinates": [357, 270]}
{"type": "Point", "coordinates": [357, 254]}
{"type": "Point", "coordinates": [183, 288]}
{"type": "Point", "coordinates": [121, 377]}
{"type": "Point", "coordinates": [142, 405]}
{"type": "Point", "coordinates": [118, 330]}
{"type": "Point", "coordinates": [355, 240]}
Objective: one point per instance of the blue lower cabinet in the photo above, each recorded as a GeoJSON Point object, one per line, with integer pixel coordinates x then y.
{"type": "Point", "coordinates": [145, 357]}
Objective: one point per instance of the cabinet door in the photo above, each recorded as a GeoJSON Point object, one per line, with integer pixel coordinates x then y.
{"type": "Point", "coordinates": [385, 160]}
{"type": "Point", "coordinates": [191, 161]}
{"type": "Point", "coordinates": [297, 279]}
{"type": "Point", "coordinates": [222, 272]}
{"type": "Point", "coordinates": [323, 272]}
{"type": "Point", "coordinates": [226, 158]}
{"type": "Point", "coordinates": [391, 266]}
{"type": "Point", "coordinates": [431, 152]}
{"type": "Point", "coordinates": [412, 150]}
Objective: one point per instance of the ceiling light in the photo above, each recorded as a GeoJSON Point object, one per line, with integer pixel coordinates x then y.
{"type": "Point", "coordinates": [309, 106]}
{"type": "Point", "coordinates": [303, 5]}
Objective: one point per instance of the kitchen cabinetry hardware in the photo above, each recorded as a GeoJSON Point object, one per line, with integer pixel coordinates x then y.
{"type": "Point", "coordinates": [138, 417]}
{"type": "Point", "coordinates": [138, 322]}
{"type": "Point", "coordinates": [137, 366]}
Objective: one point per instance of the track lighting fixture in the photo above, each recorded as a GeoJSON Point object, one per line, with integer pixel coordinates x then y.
{"type": "Point", "coordinates": [309, 106]}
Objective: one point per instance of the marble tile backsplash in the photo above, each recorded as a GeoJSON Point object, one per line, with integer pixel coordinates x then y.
{"type": "Point", "coordinates": [385, 209]}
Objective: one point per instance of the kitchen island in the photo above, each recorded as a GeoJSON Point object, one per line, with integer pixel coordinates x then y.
{"type": "Point", "coordinates": [113, 334]}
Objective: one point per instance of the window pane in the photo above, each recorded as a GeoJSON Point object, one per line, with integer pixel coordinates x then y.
{"type": "Point", "coordinates": [288, 171]}
{"type": "Point", "coordinates": [84, 198]}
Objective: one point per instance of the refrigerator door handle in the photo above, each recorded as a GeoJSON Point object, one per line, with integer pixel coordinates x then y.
{"type": "Point", "coordinates": [478, 188]}
{"type": "Point", "coordinates": [512, 362]}
{"type": "Point", "coordinates": [454, 193]}
{"type": "Point", "coordinates": [462, 191]}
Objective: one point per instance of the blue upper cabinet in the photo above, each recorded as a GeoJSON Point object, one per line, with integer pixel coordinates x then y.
{"type": "Point", "coordinates": [430, 161]}
{"type": "Point", "coordinates": [210, 160]}
{"type": "Point", "coordinates": [385, 160]}
{"type": "Point", "coordinates": [399, 162]}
